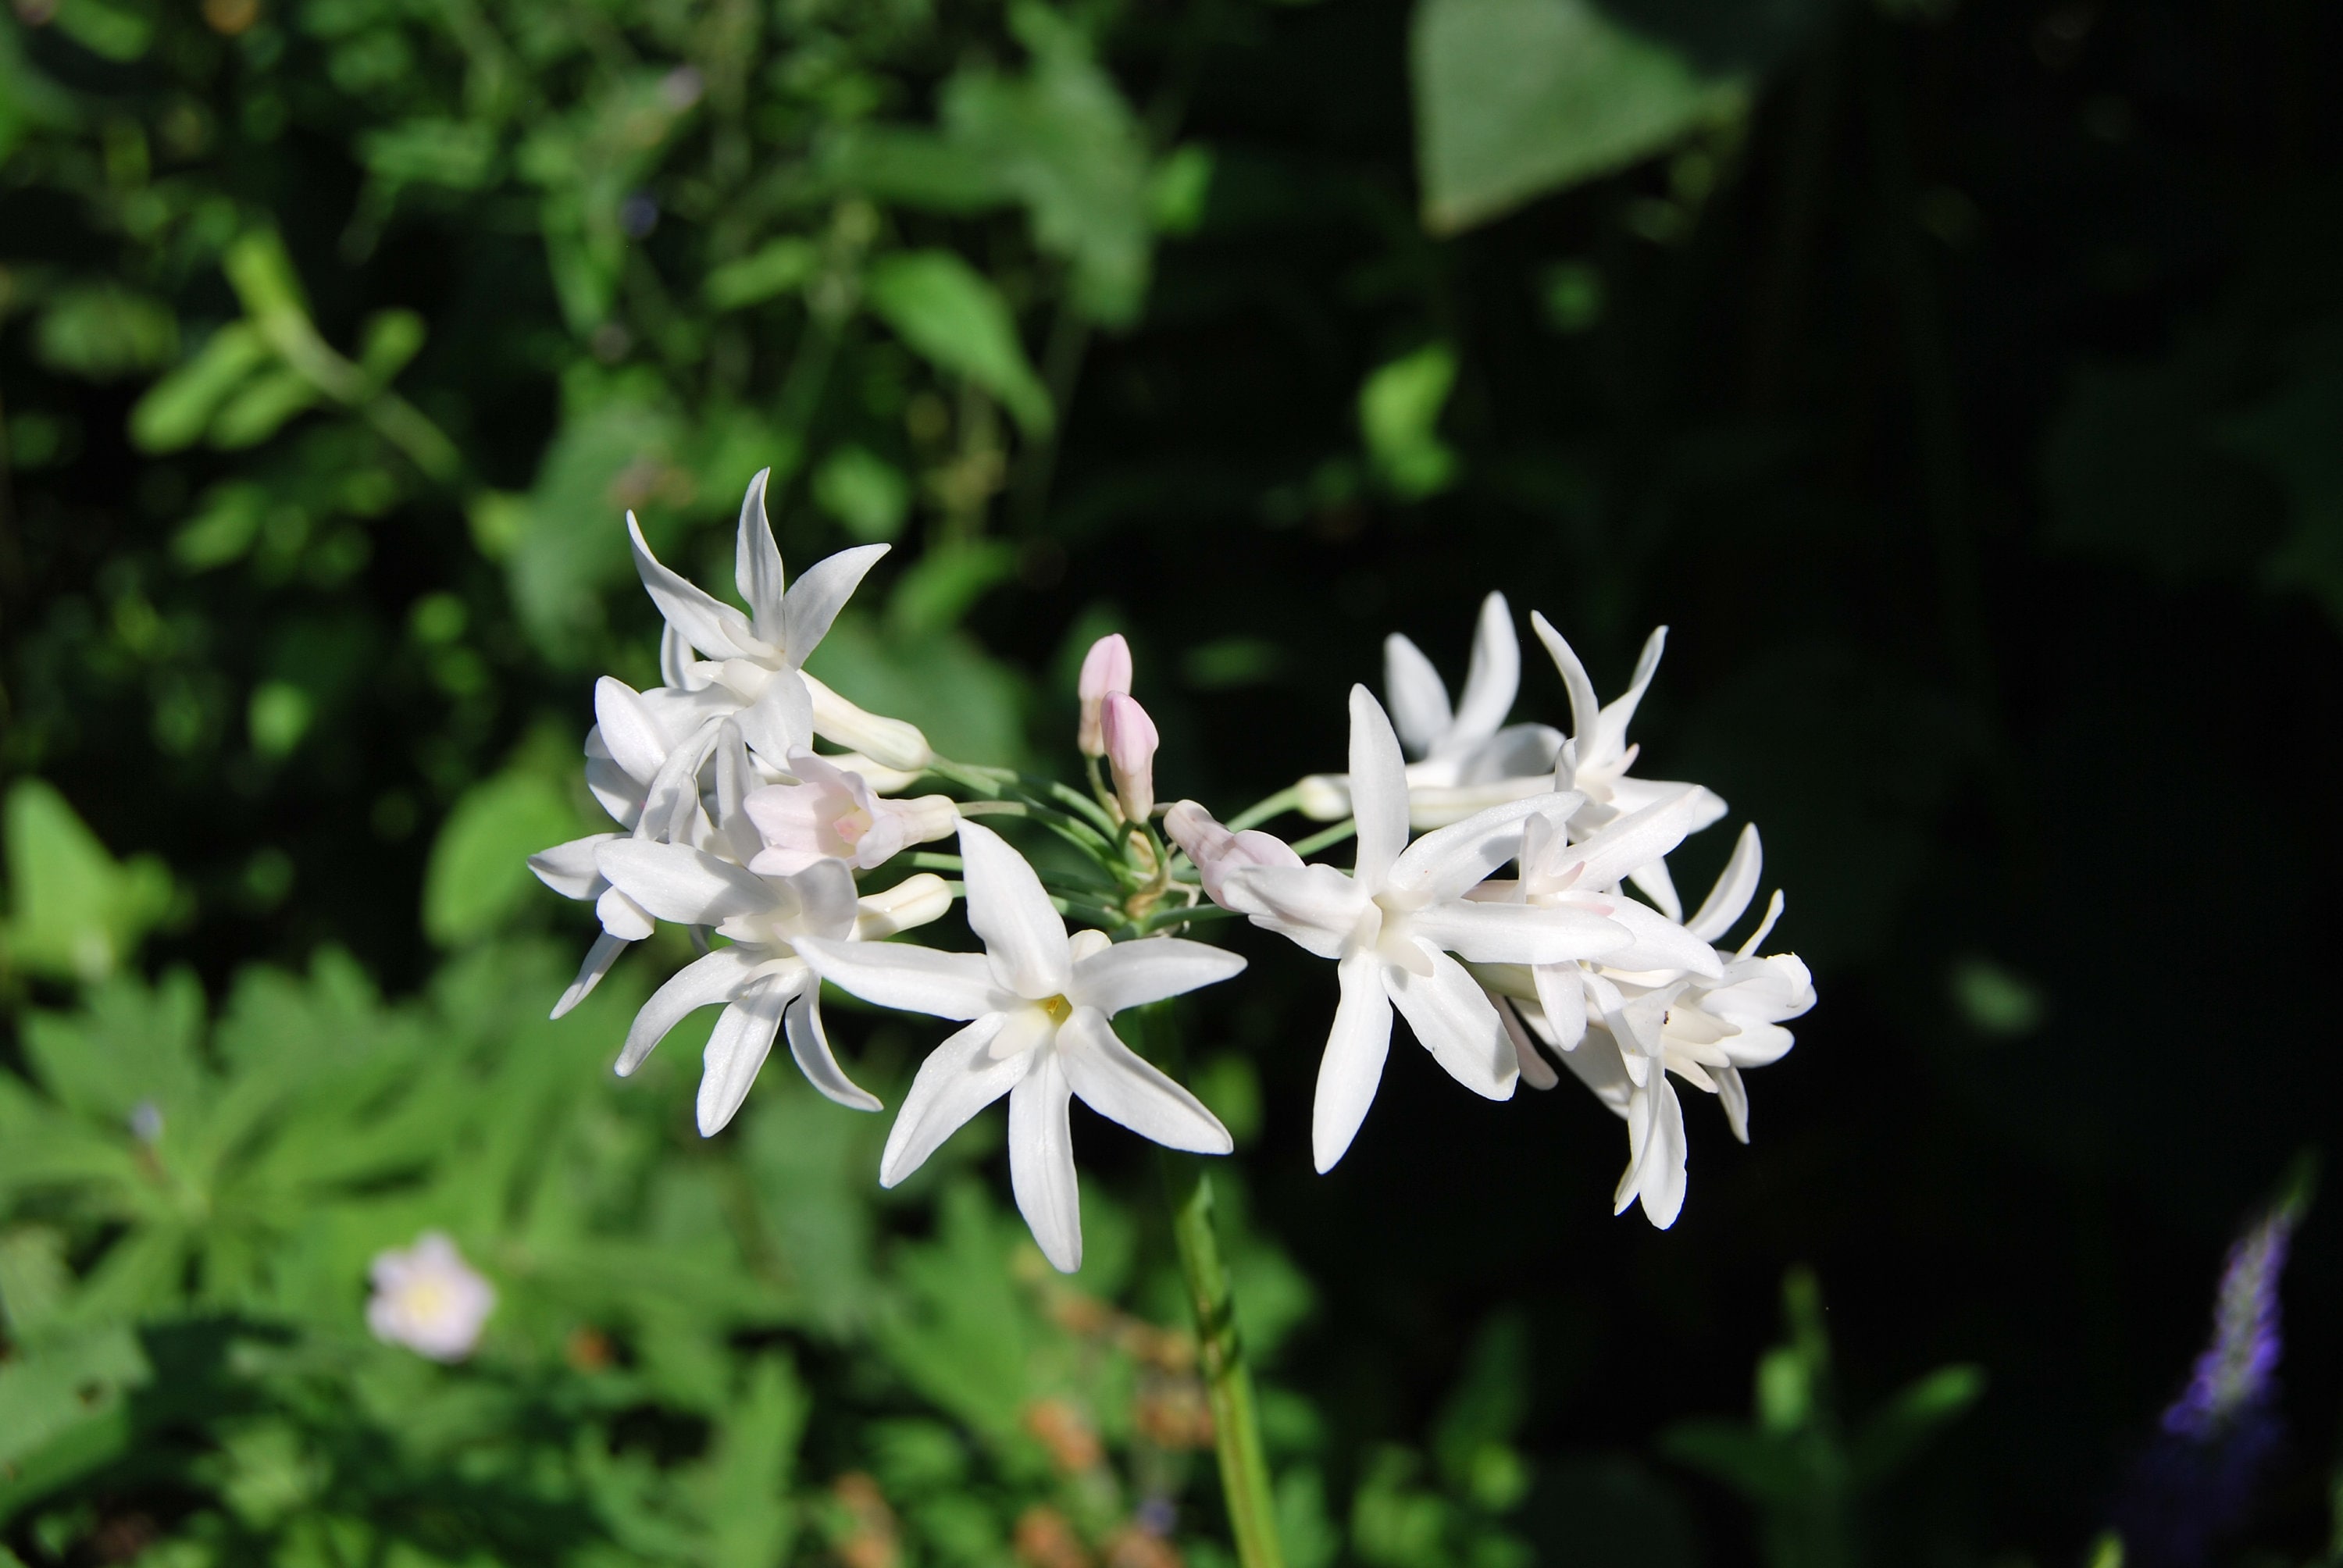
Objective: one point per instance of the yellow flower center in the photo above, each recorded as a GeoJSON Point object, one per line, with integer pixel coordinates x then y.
{"type": "Point", "coordinates": [1058, 1008]}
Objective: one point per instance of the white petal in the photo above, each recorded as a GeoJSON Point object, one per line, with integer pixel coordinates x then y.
{"type": "Point", "coordinates": [757, 564]}
{"type": "Point", "coordinates": [917, 899]}
{"type": "Point", "coordinates": [1315, 906]}
{"type": "Point", "coordinates": [676, 882]}
{"type": "Point", "coordinates": [900, 975]}
{"type": "Point", "coordinates": [631, 732]}
{"type": "Point", "coordinates": [1651, 878]}
{"type": "Point", "coordinates": [1734, 887]}
{"type": "Point", "coordinates": [671, 803]}
{"type": "Point", "coordinates": [821, 591]}
{"type": "Point", "coordinates": [719, 977]}
{"type": "Point", "coordinates": [599, 960]}
{"type": "Point", "coordinates": [569, 868]}
{"type": "Point", "coordinates": [715, 628]}
{"type": "Point", "coordinates": [735, 775]}
{"type": "Point", "coordinates": [1419, 697]}
{"type": "Point", "coordinates": [1494, 677]}
{"type": "Point", "coordinates": [1516, 751]}
{"type": "Point", "coordinates": [780, 721]}
{"type": "Point", "coordinates": [1764, 927]}
{"type": "Point", "coordinates": [1598, 1064]}
{"type": "Point", "coordinates": [1517, 933]}
{"type": "Point", "coordinates": [736, 1048]}
{"type": "Point", "coordinates": [1023, 935]}
{"type": "Point", "coordinates": [1641, 836]}
{"type": "Point", "coordinates": [1610, 728]}
{"type": "Point", "coordinates": [612, 785]}
{"type": "Point", "coordinates": [1447, 860]}
{"type": "Point", "coordinates": [1660, 943]}
{"type": "Point", "coordinates": [1584, 709]}
{"type": "Point", "coordinates": [1352, 1067]}
{"type": "Point", "coordinates": [1536, 1071]}
{"type": "Point", "coordinates": [1561, 997]}
{"type": "Point", "coordinates": [1123, 1086]}
{"type": "Point", "coordinates": [1733, 1095]}
{"type": "Point", "coordinates": [1378, 789]}
{"type": "Point", "coordinates": [1657, 1150]}
{"type": "Point", "coordinates": [959, 1078]}
{"type": "Point", "coordinates": [1042, 1162]}
{"type": "Point", "coordinates": [1132, 974]}
{"type": "Point", "coordinates": [1453, 1019]}
{"type": "Point", "coordinates": [621, 917]}
{"type": "Point", "coordinates": [809, 1045]}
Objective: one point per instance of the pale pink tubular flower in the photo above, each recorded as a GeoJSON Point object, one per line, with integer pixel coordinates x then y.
{"type": "Point", "coordinates": [1130, 743]}
{"type": "Point", "coordinates": [1106, 669]}
{"type": "Point", "coordinates": [831, 814]}
{"type": "Point", "coordinates": [1217, 851]}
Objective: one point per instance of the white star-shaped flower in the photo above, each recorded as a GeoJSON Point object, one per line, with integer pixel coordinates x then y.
{"type": "Point", "coordinates": [1391, 923]}
{"type": "Point", "coordinates": [1036, 1004]}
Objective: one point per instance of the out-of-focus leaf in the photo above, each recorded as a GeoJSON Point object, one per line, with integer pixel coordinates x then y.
{"type": "Point", "coordinates": [64, 1384]}
{"type": "Point", "coordinates": [129, 1056]}
{"type": "Point", "coordinates": [458, 154]}
{"type": "Point", "coordinates": [1490, 1396]}
{"type": "Point", "coordinates": [619, 454]}
{"type": "Point", "coordinates": [1180, 189]}
{"type": "Point", "coordinates": [479, 871]}
{"type": "Point", "coordinates": [745, 1480]}
{"type": "Point", "coordinates": [29, 101]}
{"type": "Point", "coordinates": [73, 911]}
{"type": "Point", "coordinates": [960, 1335]}
{"type": "Point", "coordinates": [1895, 1433]}
{"type": "Point", "coordinates": [390, 339]}
{"type": "Point", "coordinates": [951, 314]}
{"type": "Point", "coordinates": [175, 410]}
{"type": "Point", "coordinates": [227, 519]}
{"type": "Point", "coordinates": [1517, 98]}
{"type": "Point", "coordinates": [1750, 1462]}
{"type": "Point", "coordinates": [260, 408]}
{"type": "Point", "coordinates": [774, 269]}
{"type": "Point", "coordinates": [1063, 139]}
{"type": "Point", "coordinates": [117, 29]}
{"type": "Point", "coordinates": [100, 331]}
{"type": "Point", "coordinates": [1399, 416]}
{"type": "Point", "coordinates": [915, 167]}
{"type": "Point", "coordinates": [864, 491]}
{"type": "Point", "coordinates": [944, 584]}
{"type": "Point", "coordinates": [33, 1280]}
{"type": "Point", "coordinates": [2290, 436]}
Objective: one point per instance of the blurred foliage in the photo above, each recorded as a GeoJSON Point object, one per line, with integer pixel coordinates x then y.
{"type": "Point", "coordinates": [1960, 381]}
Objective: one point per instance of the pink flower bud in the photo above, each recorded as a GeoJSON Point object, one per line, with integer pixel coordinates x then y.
{"type": "Point", "coordinates": [1217, 851]}
{"type": "Point", "coordinates": [1130, 736]}
{"type": "Point", "coordinates": [1106, 669]}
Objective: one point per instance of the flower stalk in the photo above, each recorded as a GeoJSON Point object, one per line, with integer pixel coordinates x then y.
{"type": "Point", "coordinates": [1227, 1378]}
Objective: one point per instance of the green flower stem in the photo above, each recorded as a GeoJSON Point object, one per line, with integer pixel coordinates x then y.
{"type": "Point", "coordinates": [1263, 811]}
{"type": "Point", "coordinates": [1333, 835]}
{"type": "Point", "coordinates": [1228, 1380]}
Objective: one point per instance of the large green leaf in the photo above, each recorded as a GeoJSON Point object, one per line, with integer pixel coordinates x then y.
{"type": "Point", "coordinates": [478, 873]}
{"type": "Point", "coordinates": [74, 911]}
{"type": "Point", "coordinates": [1514, 98]}
{"type": "Point", "coordinates": [951, 314]}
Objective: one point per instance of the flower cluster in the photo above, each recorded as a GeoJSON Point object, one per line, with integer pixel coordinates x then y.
{"type": "Point", "coordinates": [732, 824]}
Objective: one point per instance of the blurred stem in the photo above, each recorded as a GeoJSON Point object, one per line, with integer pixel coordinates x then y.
{"type": "Point", "coordinates": [1228, 1380]}
{"type": "Point", "coordinates": [1332, 836]}
{"type": "Point", "coordinates": [1261, 811]}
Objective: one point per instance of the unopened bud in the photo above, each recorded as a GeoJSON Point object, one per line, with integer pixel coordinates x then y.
{"type": "Point", "coordinates": [890, 742]}
{"type": "Point", "coordinates": [1217, 851]}
{"type": "Point", "coordinates": [1131, 740]}
{"type": "Point", "coordinates": [913, 901]}
{"type": "Point", "coordinates": [1106, 669]}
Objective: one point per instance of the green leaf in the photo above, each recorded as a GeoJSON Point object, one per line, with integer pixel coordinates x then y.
{"type": "Point", "coordinates": [75, 912]}
{"type": "Point", "coordinates": [1917, 1412]}
{"type": "Point", "coordinates": [261, 406]}
{"type": "Point", "coordinates": [102, 331]}
{"type": "Point", "coordinates": [63, 1385]}
{"type": "Point", "coordinates": [1514, 98]}
{"type": "Point", "coordinates": [119, 30]}
{"type": "Point", "coordinates": [970, 704]}
{"type": "Point", "coordinates": [951, 314]}
{"type": "Point", "coordinates": [1062, 138]}
{"type": "Point", "coordinates": [573, 544]}
{"type": "Point", "coordinates": [913, 166]}
{"type": "Point", "coordinates": [864, 491]}
{"type": "Point", "coordinates": [944, 584]}
{"type": "Point", "coordinates": [1399, 416]}
{"type": "Point", "coordinates": [478, 874]}
{"type": "Point", "coordinates": [227, 519]}
{"type": "Point", "coordinates": [773, 269]}
{"type": "Point", "coordinates": [745, 1482]}
{"type": "Point", "coordinates": [458, 154]}
{"type": "Point", "coordinates": [388, 341]}
{"type": "Point", "coordinates": [33, 1280]}
{"type": "Point", "coordinates": [177, 410]}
